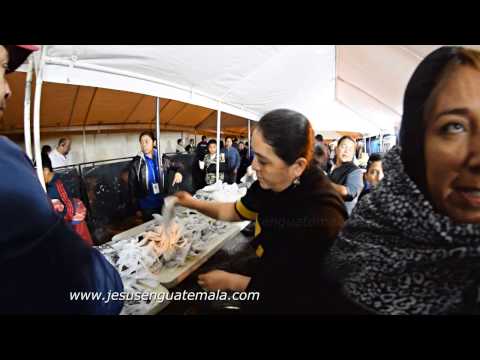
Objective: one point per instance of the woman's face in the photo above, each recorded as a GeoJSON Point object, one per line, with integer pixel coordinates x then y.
{"type": "Point", "coordinates": [212, 149]}
{"type": "Point", "coordinates": [452, 146]}
{"type": "Point", "coordinates": [345, 151]}
{"type": "Point", "coordinates": [272, 172]}
{"type": "Point", "coordinates": [5, 91]}
{"type": "Point", "coordinates": [146, 143]}
{"type": "Point", "coordinates": [375, 173]}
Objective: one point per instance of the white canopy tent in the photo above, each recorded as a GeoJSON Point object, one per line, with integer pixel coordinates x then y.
{"type": "Point", "coordinates": [244, 80]}
{"type": "Point", "coordinates": [339, 88]}
{"type": "Point", "coordinates": [353, 88]}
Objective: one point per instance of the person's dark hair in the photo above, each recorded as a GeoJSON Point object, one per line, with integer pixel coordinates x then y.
{"type": "Point", "coordinates": [62, 141]}
{"type": "Point", "coordinates": [204, 138]}
{"type": "Point", "coordinates": [418, 98]}
{"type": "Point", "coordinates": [46, 162]}
{"type": "Point", "coordinates": [179, 141]}
{"type": "Point", "coordinates": [289, 133]}
{"type": "Point", "coordinates": [222, 145]}
{"type": "Point", "coordinates": [321, 156]}
{"type": "Point", "coordinates": [241, 142]}
{"type": "Point", "coordinates": [319, 137]}
{"type": "Point", "coordinates": [346, 137]}
{"type": "Point", "coordinates": [192, 140]}
{"type": "Point", "coordinates": [148, 133]}
{"type": "Point", "coordinates": [374, 158]}
{"type": "Point", "coordinates": [228, 137]}
{"type": "Point", "coordinates": [212, 141]}
{"type": "Point", "coordinates": [319, 151]}
{"type": "Point", "coordinates": [46, 149]}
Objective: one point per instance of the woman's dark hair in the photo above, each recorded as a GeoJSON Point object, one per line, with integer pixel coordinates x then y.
{"type": "Point", "coordinates": [46, 162]}
{"type": "Point", "coordinates": [374, 158]}
{"type": "Point", "coordinates": [204, 138]}
{"type": "Point", "coordinates": [149, 133]}
{"type": "Point", "coordinates": [289, 133]}
{"type": "Point", "coordinates": [212, 141]}
{"type": "Point", "coordinates": [319, 137]}
{"type": "Point", "coordinates": [46, 149]}
{"type": "Point", "coordinates": [179, 141]}
{"type": "Point", "coordinates": [222, 145]}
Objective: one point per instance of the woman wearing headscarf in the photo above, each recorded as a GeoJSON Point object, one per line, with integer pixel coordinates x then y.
{"type": "Point", "coordinates": [413, 245]}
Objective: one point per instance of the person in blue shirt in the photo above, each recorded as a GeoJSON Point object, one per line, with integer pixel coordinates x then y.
{"type": "Point", "coordinates": [146, 179]}
{"type": "Point", "coordinates": [233, 161]}
{"type": "Point", "coordinates": [43, 262]}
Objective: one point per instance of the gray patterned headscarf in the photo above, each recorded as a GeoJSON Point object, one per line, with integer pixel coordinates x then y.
{"type": "Point", "coordinates": [397, 255]}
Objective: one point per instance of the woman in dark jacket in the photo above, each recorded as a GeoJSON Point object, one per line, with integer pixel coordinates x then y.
{"type": "Point", "coordinates": [347, 178]}
{"type": "Point", "coordinates": [297, 215]}
{"type": "Point", "coordinates": [146, 179]}
{"type": "Point", "coordinates": [413, 245]}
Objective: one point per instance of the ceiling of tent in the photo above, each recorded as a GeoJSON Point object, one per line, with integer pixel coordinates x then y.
{"type": "Point", "coordinates": [72, 107]}
{"type": "Point", "coordinates": [371, 79]}
{"type": "Point", "coordinates": [253, 78]}
{"type": "Point", "coordinates": [342, 88]}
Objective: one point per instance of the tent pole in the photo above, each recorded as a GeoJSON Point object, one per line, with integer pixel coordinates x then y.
{"type": "Point", "coordinates": [159, 157]}
{"type": "Point", "coordinates": [381, 141]}
{"type": "Point", "coordinates": [218, 143]}
{"type": "Point", "coordinates": [27, 108]}
{"type": "Point", "coordinates": [249, 140]}
{"type": "Point", "coordinates": [36, 115]}
{"type": "Point", "coordinates": [84, 145]}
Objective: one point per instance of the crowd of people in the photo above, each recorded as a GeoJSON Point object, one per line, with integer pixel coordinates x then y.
{"type": "Point", "coordinates": [399, 237]}
{"type": "Point", "coordinates": [234, 159]}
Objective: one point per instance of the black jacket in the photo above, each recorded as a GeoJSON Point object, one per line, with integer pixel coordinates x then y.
{"type": "Point", "coordinates": [138, 178]}
{"type": "Point", "coordinates": [296, 229]}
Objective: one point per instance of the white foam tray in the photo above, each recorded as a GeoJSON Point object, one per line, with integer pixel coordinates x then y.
{"type": "Point", "coordinates": [171, 277]}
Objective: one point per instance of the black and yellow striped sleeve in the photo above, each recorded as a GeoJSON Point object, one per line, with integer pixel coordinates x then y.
{"type": "Point", "coordinates": [244, 212]}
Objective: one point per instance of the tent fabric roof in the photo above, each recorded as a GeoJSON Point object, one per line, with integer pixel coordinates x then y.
{"type": "Point", "coordinates": [339, 88]}
{"type": "Point", "coordinates": [242, 80]}
{"type": "Point", "coordinates": [75, 106]}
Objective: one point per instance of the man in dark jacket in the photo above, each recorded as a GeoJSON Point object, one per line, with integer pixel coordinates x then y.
{"type": "Point", "coordinates": [233, 161]}
{"type": "Point", "coordinates": [198, 174]}
{"type": "Point", "coordinates": [44, 264]}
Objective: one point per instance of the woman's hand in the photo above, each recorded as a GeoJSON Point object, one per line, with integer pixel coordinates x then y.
{"type": "Point", "coordinates": [177, 179]}
{"type": "Point", "coordinates": [184, 198]}
{"type": "Point", "coordinates": [222, 280]}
